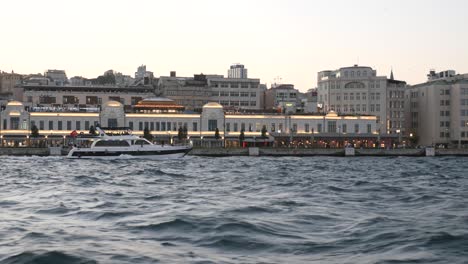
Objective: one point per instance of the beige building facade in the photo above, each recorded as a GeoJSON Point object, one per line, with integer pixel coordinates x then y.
{"type": "Point", "coordinates": [437, 111]}
{"type": "Point", "coordinates": [358, 90]}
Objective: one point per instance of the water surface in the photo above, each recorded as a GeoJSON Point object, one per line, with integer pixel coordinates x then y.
{"type": "Point", "coordinates": [234, 210]}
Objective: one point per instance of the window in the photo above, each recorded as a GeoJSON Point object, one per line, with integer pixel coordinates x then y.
{"type": "Point", "coordinates": [51, 125]}
{"type": "Point", "coordinates": [92, 100]}
{"type": "Point", "coordinates": [163, 126]}
{"type": "Point", "coordinates": [41, 125]}
{"type": "Point", "coordinates": [307, 128]}
{"type": "Point", "coordinates": [112, 122]}
{"type": "Point", "coordinates": [235, 127]}
{"type": "Point", "coordinates": [195, 126]}
{"type": "Point", "coordinates": [59, 125]}
{"type": "Point", "coordinates": [228, 127]}
{"type": "Point", "coordinates": [140, 142]}
{"type": "Point", "coordinates": [369, 128]}
{"type": "Point", "coordinates": [86, 125]}
{"type": "Point", "coordinates": [168, 126]}
{"type": "Point", "coordinates": [130, 125]}
{"type": "Point", "coordinates": [243, 126]}
{"type": "Point", "coordinates": [15, 121]}
{"type": "Point", "coordinates": [69, 125]}
{"type": "Point", "coordinates": [47, 100]}
{"type": "Point", "coordinates": [345, 128]}
{"type": "Point", "coordinates": [356, 128]}
{"type": "Point", "coordinates": [140, 126]}
{"type": "Point", "coordinates": [112, 143]}
{"type": "Point", "coordinates": [331, 127]}
{"type": "Point", "coordinates": [70, 100]}
{"type": "Point", "coordinates": [212, 124]}
{"type": "Point", "coordinates": [319, 128]}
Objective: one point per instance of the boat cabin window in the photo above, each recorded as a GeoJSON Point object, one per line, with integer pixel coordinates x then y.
{"type": "Point", "coordinates": [112, 143]}
{"type": "Point", "coordinates": [141, 142]}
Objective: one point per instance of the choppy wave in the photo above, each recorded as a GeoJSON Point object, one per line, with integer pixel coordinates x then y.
{"type": "Point", "coordinates": [234, 210]}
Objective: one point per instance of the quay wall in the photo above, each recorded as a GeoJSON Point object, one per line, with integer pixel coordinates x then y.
{"type": "Point", "coordinates": [223, 152]}
{"type": "Point", "coordinates": [226, 152]}
{"type": "Point", "coordinates": [24, 151]}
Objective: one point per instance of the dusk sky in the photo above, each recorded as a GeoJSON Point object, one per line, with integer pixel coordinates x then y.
{"type": "Point", "coordinates": [292, 39]}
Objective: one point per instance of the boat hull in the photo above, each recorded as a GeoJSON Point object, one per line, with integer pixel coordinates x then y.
{"type": "Point", "coordinates": [77, 153]}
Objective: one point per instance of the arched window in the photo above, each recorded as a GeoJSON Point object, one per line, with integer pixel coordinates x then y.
{"type": "Point", "coordinates": [357, 85]}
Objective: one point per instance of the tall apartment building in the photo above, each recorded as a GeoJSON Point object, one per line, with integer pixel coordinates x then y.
{"type": "Point", "coordinates": [283, 97]}
{"type": "Point", "coordinates": [143, 77]}
{"type": "Point", "coordinates": [437, 110]}
{"type": "Point", "coordinates": [237, 71]}
{"type": "Point", "coordinates": [191, 92]}
{"type": "Point", "coordinates": [238, 93]}
{"type": "Point", "coordinates": [358, 90]}
{"type": "Point", "coordinates": [194, 92]}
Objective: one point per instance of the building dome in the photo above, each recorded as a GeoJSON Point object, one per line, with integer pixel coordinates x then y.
{"type": "Point", "coordinates": [332, 114]}
{"type": "Point", "coordinates": [14, 103]}
{"type": "Point", "coordinates": [213, 105]}
{"type": "Point", "coordinates": [113, 104]}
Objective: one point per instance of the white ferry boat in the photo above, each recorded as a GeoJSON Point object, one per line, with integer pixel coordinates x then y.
{"type": "Point", "coordinates": [123, 144]}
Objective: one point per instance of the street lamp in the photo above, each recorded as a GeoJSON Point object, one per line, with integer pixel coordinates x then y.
{"type": "Point", "coordinates": [399, 136]}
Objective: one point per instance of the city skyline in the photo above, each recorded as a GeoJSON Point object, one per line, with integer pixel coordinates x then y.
{"type": "Point", "coordinates": [274, 39]}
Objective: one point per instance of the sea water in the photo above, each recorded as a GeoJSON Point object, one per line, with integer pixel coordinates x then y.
{"type": "Point", "coordinates": [234, 210]}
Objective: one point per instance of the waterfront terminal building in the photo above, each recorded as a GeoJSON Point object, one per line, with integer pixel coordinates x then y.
{"type": "Point", "coordinates": [163, 118]}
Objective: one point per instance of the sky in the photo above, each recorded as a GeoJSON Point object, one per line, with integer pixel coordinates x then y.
{"type": "Point", "coordinates": [282, 41]}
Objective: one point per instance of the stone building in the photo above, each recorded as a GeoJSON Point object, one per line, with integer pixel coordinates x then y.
{"type": "Point", "coordinates": [322, 130]}
{"type": "Point", "coordinates": [359, 90]}
{"type": "Point", "coordinates": [437, 110]}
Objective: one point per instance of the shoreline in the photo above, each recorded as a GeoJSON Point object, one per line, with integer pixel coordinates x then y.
{"type": "Point", "coordinates": [267, 152]}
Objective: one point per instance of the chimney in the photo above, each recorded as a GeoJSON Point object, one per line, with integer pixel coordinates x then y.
{"type": "Point", "coordinates": [173, 74]}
